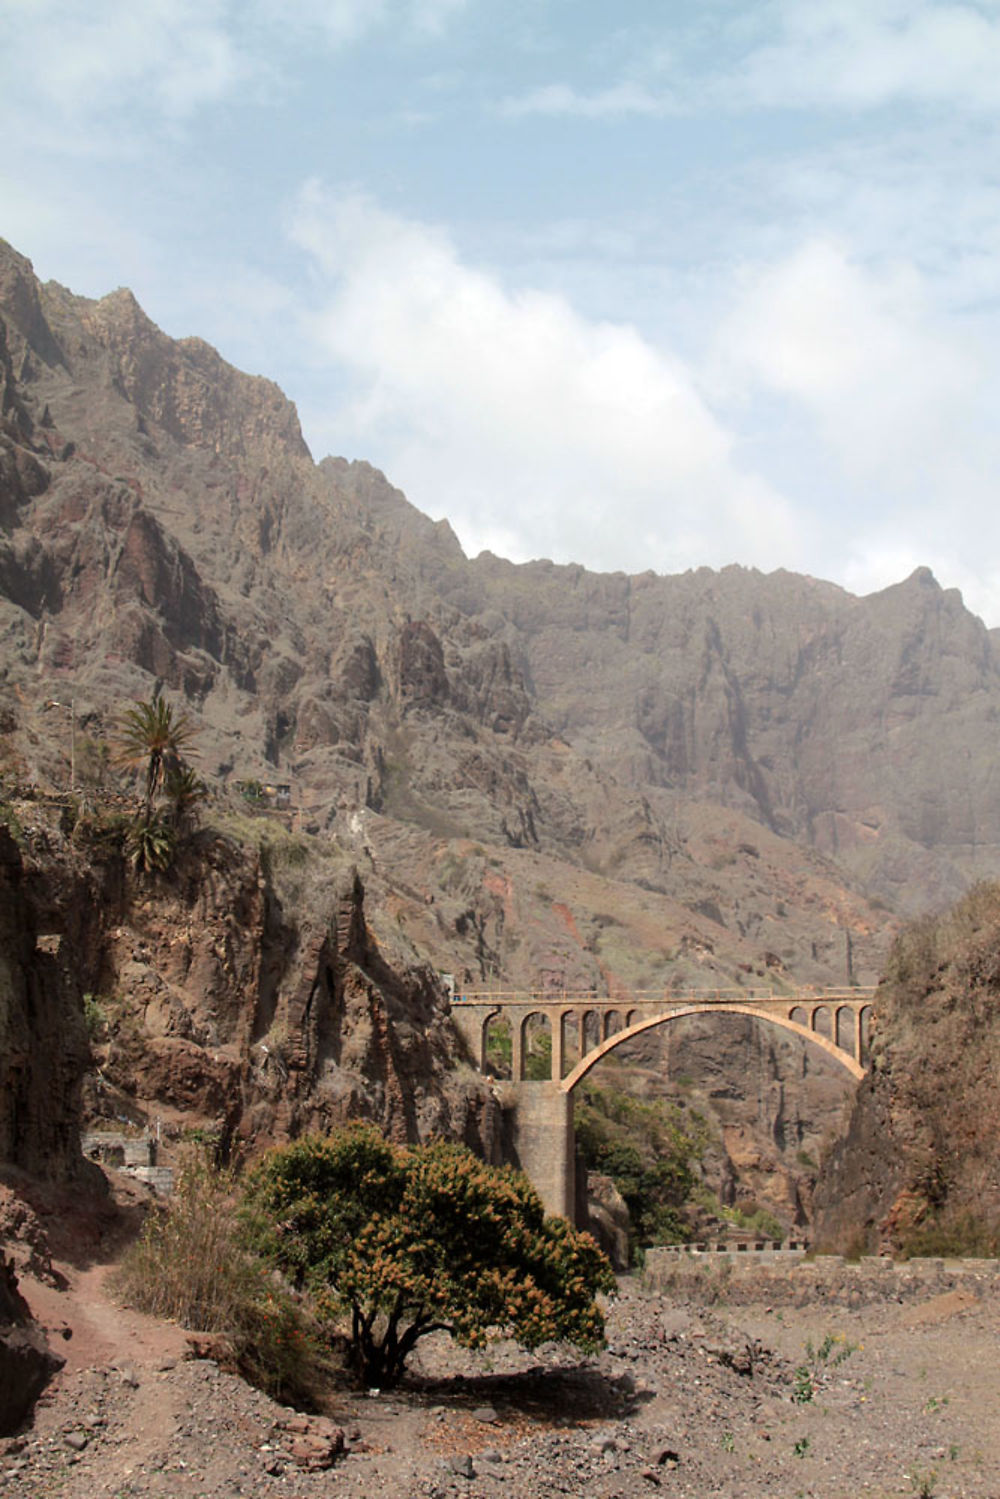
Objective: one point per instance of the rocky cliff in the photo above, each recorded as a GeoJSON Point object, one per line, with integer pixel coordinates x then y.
{"type": "Point", "coordinates": [162, 519]}
{"type": "Point", "coordinates": [917, 1168]}
{"type": "Point", "coordinates": [220, 998]}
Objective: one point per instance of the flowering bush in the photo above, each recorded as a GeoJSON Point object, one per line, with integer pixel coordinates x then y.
{"type": "Point", "coordinates": [410, 1241]}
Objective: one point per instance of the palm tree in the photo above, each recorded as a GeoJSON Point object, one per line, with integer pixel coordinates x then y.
{"type": "Point", "coordinates": [152, 738]}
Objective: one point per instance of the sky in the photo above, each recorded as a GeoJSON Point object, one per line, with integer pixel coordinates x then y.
{"type": "Point", "coordinates": [641, 284]}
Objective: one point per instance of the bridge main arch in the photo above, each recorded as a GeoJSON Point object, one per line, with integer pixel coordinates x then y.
{"type": "Point", "coordinates": [580, 1071]}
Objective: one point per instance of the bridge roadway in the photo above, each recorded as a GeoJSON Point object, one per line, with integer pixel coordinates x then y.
{"type": "Point", "coordinates": [585, 1027]}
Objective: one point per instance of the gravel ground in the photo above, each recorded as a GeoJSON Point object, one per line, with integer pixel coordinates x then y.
{"type": "Point", "coordinates": [687, 1401]}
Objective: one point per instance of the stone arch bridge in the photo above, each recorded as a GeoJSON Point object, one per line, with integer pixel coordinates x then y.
{"type": "Point", "coordinates": [583, 1028]}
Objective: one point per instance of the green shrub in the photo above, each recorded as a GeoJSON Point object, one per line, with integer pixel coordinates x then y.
{"type": "Point", "coordinates": [93, 1017]}
{"type": "Point", "coordinates": [103, 834]}
{"type": "Point", "coordinates": [151, 842]}
{"type": "Point", "coordinates": [651, 1152]}
{"type": "Point", "coordinates": [10, 820]}
{"type": "Point", "coordinates": [499, 1047]}
{"type": "Point", "coordinates": [951, 1236]}
{"type": "Point", "coordinates": [538, 1055]}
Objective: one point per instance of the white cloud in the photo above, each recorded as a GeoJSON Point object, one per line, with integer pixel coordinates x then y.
{"type": "Point", "coordinates": [433, 16]}
{"type": "Point", "coordinates": [483, 402]}
{"type": "Point", "coordinates": [341, 22]}
{"type": "Point", "coordinates": [793, 54]}
{"type": "Point", "coordinates": [863, 54]}
{"type": "Point", "coordinates": [900, 399]}
{"type": "Point", "coordinates": [93, 61]}
{"type": "Point", "coordinates": [164, 60]}
{"type": "Point", "coordinates": [893, 388]}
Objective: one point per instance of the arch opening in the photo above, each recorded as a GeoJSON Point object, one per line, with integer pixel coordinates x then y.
{"type": "Point", "coordinates": [591, 1030]}
{"type": "Point", "coordinates": [569, 1020]}
{"type": "Point", "coordinates": [498, 1046]}
{"type": "Point", "coordinates": [536, 1048]}
{"type": "Point", "coordinates": [821, 1022]}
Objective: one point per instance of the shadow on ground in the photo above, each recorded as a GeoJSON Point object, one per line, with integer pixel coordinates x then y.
{"type": "Point", "coordinates": [561, 1396]}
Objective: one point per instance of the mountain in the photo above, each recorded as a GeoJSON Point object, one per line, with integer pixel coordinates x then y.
{"type": "Point", "coordinates": [544, 777]}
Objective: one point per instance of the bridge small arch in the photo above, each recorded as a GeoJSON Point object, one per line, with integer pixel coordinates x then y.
{"type": "Point", "coordinates": [533, 1055]}
{"type": "Point", "coordinates": [806, 1032]}
{"type": "Point", "coordinates": [613, 1023]}
{"type": "Point", "coordinates": [845, 1024]}
{"type": "Point", "coordinates": [570, 1037]}
{"type": "Point", "coordinates": [590, 1028]}
{"type": "Point", "coordinates": [821, 1022]}
{"type": "Point", "coordinates": [497, 1045]}
{"type": "Point", "coordinates": [800, 1016]}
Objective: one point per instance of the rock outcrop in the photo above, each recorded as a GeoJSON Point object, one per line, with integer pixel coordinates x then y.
{"type": "Point", "coordinates": [212, 1002]}
{"type": "Point", "coordinates": [26, 1361]}
{"type": "Point", "coordinates": [43, 1044]}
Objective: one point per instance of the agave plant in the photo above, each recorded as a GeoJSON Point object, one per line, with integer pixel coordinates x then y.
{"type": "Point", "coordinates": [151, 842]}
{"type": "Point", "coordinates": [152, 738]}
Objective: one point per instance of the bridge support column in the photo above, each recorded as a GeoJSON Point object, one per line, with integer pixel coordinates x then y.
{"type": "Point", "coordinates": [558, 1042]}
{"type": "Point", "coordinates": [544, 1144]}
{"type": "Point", "coordinates": [517, 1046]}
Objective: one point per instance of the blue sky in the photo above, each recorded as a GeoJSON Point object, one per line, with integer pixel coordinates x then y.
{"type": "Point", "coordinates": [634, 285]}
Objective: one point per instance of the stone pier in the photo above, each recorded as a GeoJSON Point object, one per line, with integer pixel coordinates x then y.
{"type": "Point", "coordinates": [543, 1140]}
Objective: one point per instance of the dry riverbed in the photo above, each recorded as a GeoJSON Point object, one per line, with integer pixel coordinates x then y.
{"type": "Point", "coordinates": [785, 1381]}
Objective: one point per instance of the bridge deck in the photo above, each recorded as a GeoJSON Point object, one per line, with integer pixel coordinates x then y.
{"type": "Point", "coordinates": [576, 997]}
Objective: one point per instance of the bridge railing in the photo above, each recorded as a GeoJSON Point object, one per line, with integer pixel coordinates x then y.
{"type": "Point", "coordinates": [737, 995]}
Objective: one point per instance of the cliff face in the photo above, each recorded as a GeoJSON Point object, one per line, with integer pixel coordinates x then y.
{"type": "Point", "coordinates": [918, 1164]}
{"type": "Point", "coordinates": [43, 1045]}
{"type": "Point", "coordinates": [860, 726]}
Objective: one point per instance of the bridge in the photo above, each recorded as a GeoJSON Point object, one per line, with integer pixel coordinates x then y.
{"type": "Point", "coordinates": [584, 1027]}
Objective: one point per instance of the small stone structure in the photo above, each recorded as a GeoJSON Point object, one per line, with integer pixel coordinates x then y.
{"type": "Point", "coordinates": [135, 1154]}
{"type": "Point", "coordinates": [793, 1279]}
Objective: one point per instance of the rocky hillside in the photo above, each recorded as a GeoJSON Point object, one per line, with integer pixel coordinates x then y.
{"type": "Point", "coordinates": [917, 1169]}
{"type": "Point", "coordinates": [235, 997]}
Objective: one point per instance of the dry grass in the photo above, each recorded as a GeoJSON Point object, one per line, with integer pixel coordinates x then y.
{"type": "Point", "coordinates": [190, 1265]}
